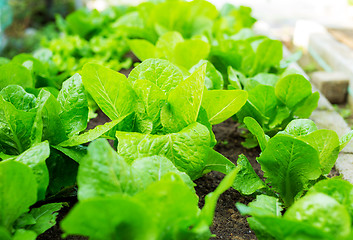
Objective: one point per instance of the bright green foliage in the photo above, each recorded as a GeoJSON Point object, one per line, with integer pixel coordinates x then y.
{"type": "Point", "coordinates": [161, 100]}
{"type": "Point", "coordinates": [344, 140]}
{"type": "Point", "coordinates": [87, 36]}
{"type": "Point", "coordinates": [185, 148]}
{"type": "Point", "coordinates": [250, 56]}
{"type": "Point", "coordinates": [91, 135]}
{"type": "Point", "coordinates": [28, 120]}
{"type": "Point", "coordinates": [104, 173]}
{"type": "Point", "coordinates": [295, 158]}
{"type": "Point", "coordinates": [287, 90]}
{"type": "Point", "coordinates": [12, 74]}
{"type": "Point", "coordinates": [184, 102]}
{"type": "Point", "coordinates": [324, 213]}
{"type": "Point", "coordinates": [274, 102]}
{"type": "Point", "coordinates": [173, 47]}
{"type": "Point", "coordinates": [289, 164]}
{"type": "Point", "coordinates": [166, 209]}
{"type": "Point", "coordinates": [233, 19]}
{"type": "Point", "coordinates": [247, 181]}
{"type": "Point", "coordinates": [35, 158]}
{"type": "Point", "coordinates": [18, 191]}
{"type": "Point", "coordinates": [150, 20]}
{"type": "Point", "coordinates": [257, 131]}
{"type": "Point", "coordinates": [116, 217]}
{"type": "Point", "coordinates": [73, 101]}
{"type": "Point", "coordinates": [262, 206]}
{"type": "Point", "coordinates": [326, 142]}
{"type": "Point", "coordinates": [18, 188]}
{"type": "Point", "coordinates": [17, 121]}
{"type": "Point", "coordinates": [340, 190]}
{"type": "Point", "coordinates": [213, 78]}
{"type": "Point", "coordinates": [110, 90]}
{"type": "Point", "coordinates": [221, 105]}
{"type": "Point", "coordinates": [164, 110]}
{"type": "Point", "coordinates": [160, 72]}
{"type": "Point", "coordinates": [39, 219]}
{"type": "Point", "coordinates": [330, 216]}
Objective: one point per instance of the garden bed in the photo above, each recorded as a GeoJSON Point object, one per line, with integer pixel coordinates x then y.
{"type": "Point", "coordinates": [228, 222]}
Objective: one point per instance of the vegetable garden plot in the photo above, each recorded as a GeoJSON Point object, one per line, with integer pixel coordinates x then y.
{"type": "Point", "coordinates": [161, 119]}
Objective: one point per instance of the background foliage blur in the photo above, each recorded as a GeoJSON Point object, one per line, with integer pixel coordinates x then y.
{"type": "Point", "coordinates": [20, 19]}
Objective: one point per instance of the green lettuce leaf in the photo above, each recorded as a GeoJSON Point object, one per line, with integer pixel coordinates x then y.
{"type": "Point", "coordinates": [91, 134]}
{"type": "Point", "coordinates": [74, 105]}
{"type": "Point", "coordinates": [323, 212]}
{"type": "Point", "coordinates": [288, 165]}
{"type": "Point", "coordinates": [287, 90]}
{"type": "Point", "coordinates": [104, 173]}
{"type": "Point", "coordinates": [116, 217]}
{"type": "Point", "coordinates": [15, 74]}
{"type": "Point", "coordinates": [19, 192]}
{"type": "Point", "coordinates": [257, 131]}
{"type": "Point", "coordinates": [222, 104]}
{"type": "Point", "coordinates": [184, 102]}
{"type": "Point", "coordinates": [160, 72]}
{"type": "Point", "coordinates": [247, 181]}
{"type": "Point", "coordinates": [184, 148]}
{"type": "Point", "coordinates": [15, 128]}
{"type": "Point", "coordinates": [109, 89]}
{"type": "Point", "coordinates": [35, 158]}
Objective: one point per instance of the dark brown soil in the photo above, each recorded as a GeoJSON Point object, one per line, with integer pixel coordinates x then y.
{"type": "Point", "coordinates": [228, 223]}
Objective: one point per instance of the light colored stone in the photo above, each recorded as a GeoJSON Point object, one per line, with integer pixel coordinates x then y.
{"type": "Point", "coordinates": [344, 165]}
{"type": "Point", "coordinates": [332, 84]}
{"type": "Point", "coordinates": [333, 56]}
{"type": "Point", "coordinates": [326, 119]}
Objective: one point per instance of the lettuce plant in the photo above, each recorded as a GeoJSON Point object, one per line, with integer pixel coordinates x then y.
{"type": "Point", "coordinates": [148, 199]}
{"type": "Point", "coordinates": [33, 127]}
{"type": "Point", "coordinates": [151, 20]}
{"type": "Point", "coordinates": [325, 212]}
{"type": "Point", "coordinates": [232, 20]}
{"type": "Point", "coordinates": [294, 159]}
{"type": "Point", "coordinates": [173, 47]}
{"type": "Point", "coordinates": [163, 112]}
{"type": "Point", "coordinates": [186, 54]}
{"type": "Point", "coordinates": [18, 191]}
{"type": "Point", "coordinates": [247, 53]}
{"type": "Point", "coordinates": [275, 101]}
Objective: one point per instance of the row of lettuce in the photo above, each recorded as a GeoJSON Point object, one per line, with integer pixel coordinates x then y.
{"type": "Point", "coordinates": [200, 66]}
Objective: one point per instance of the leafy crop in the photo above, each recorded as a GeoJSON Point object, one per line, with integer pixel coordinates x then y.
{"type": "Point", "coordinates": [294, 159]}
{"type": "Point", "coordinates": [18, 188]}
{"type": "Point", "coordinates": [200, 66]}
{"type": "Point", "coordinates": [165, 113]}
{"type": "Point", "coordinates": [325, 212]}
{"type": "Point", "coordinates": [149, 199]}
{"type": "Point", "coordinates": [31, 126]}
{"type": "Point", "coordinates": [274, 101]}
{"type": "Point", "coordinates": [173, 47]}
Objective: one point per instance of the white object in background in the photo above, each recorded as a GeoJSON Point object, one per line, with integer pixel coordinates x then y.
{"type": "Point", "coordinates": [303, 30]}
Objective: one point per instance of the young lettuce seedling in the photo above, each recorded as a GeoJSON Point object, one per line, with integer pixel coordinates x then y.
{"type": "Point", "coordinates": [165, 113]}
{"type": "Point", "coordinates": [295, 158]}
{"type": "Point", "coordinates": [293, 161]}
{"type": "Point", "coordinates": [275, 101]}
